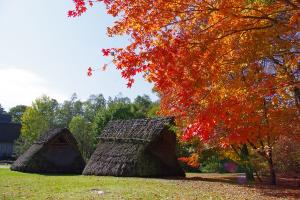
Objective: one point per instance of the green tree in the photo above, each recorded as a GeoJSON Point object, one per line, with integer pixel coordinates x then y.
{"type": "Point", "coordinates": [143, 103]}
{"type": "Point", "coordinates": [37, 119]}
{"type": "Point", "coordinates": [117, 109]}
{"type": "Point", "coordinates": [68, 110]}
{"type": "Point", "coordinates": [102, 117]}
{"type": "Point", "coordinates": [153, 110]}
{"type": "Point", "coordinates": [17, 112]}
{"type": "Point", "coordinates": [33, 125]}
{"type": "Point", "coordinates": [82, 131]}
{"type": "Point", "coordinates": [119, 99]}
{"type": "Point", "coordinates": [92, 105]}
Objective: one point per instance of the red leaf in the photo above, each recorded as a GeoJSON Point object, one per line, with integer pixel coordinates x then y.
{"type": "Point", "coordinates": [72, 13]}
{"type": "Point", "coordinates": [89, 73]}
{"type": "Point", "coordinates": [106, 52]}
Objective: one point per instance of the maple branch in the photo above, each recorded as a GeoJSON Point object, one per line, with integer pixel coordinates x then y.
{"type": "Point", "coordinates": [235, 150]}
{"type": "Point", "coordinates": [293, 81]}
{"type": "Point", "coordinates": [264, 17]}
{"type": "Point", "coordinates": [291, 3]}
{"type": "Point", "coordinates": [244, 30]}
{"type": "Point", "coordinates": [262, 153]}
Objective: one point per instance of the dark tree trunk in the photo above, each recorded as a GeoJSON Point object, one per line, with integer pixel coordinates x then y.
{"type": "Point", "coordinates": [249, 173]}
{"type": "Point", "coordinates": [272, 170]}
{"type": "Point", "coordinates": [246, 163]}
{"type": "Point", "coordinates": [269, 157]}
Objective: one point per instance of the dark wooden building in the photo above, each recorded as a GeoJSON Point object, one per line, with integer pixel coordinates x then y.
{"type": "Point", "coordinates": [140, 147]}
{"type": "Point", "coordinates": [54, 152]}
{"type": "Point", "coordinates": [9, 132]}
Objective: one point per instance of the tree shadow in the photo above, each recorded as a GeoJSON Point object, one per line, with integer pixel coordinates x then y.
{"type": "Point", "coordinates": [47, 174]}
{"type": "Point", "coordinates": [229, 180]}
{"type": "Point", "coordinates": [279, 191]}
{"type": "Point", "coordinates": [57, 174]}
{"type": "Point", "coordinates": [221, 178]}
{"type": "Point", "coordinates": [284, 189]}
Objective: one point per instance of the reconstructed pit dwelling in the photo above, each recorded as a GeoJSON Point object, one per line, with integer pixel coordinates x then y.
{"type": "Point", "coordinates": [139, 147]}
{"type": "Point", "coordinates": [54, 152]}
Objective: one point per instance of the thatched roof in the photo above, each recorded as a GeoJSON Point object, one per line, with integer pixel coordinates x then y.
{"type": "Point", "coordinates": [143, 130]}
{"type": "Point", "coordinates": [54, 152]}
{"type": "Point", "coordinates": [59, 132]}
{"type": "Point", "coordinates": [126, 148]}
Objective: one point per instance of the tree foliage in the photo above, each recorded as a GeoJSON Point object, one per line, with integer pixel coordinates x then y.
{"type": "Point", "coordinates": [287, 156]}
{"type": "Point", "coordinates": [82, 130]}
{"type": "Point", "coordinates": [122, 108]}
{"type": "Point", "coordinates": [228, 70]}
{"type": "Point", "coordinates": [67, 110]}
{"type": "Point", "coordinates": [17, 112]}
{"type": "Point", "coordinates": [85, 119]}
{"type": "Point", "coordinates": [36, 120]}
{"type": "Point", "coordinates": [39, 117]}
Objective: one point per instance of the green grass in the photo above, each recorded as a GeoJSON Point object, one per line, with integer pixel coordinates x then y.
{"type": "Point", "coordinates": [16, 185]}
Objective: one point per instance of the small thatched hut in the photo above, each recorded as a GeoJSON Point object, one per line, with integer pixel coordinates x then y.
{"type": "Point", "coordinates": [54, 152]}
{"type": "Point", "coordinates": [140, 147]}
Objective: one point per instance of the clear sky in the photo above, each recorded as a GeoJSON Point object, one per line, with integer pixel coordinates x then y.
{"type": "Point", "coordinates": [42, 51]}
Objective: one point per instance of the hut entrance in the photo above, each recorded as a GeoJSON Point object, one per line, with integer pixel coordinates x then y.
{"type": "Point", "coordinates": [60, 142]}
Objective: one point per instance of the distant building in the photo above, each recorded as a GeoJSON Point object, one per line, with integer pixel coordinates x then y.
{"type": "Point", "coordinates": [9, 132]}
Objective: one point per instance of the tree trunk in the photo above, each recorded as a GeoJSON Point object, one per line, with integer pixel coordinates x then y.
{"type": "Point", "coordinates": [272, 171]}
{"type": "Point", "coordinates": [249, 173]}
{"type": "Point", "coordinates": [246, 163]}
{"type": "Point", "coordinates": [269, 157]}
{"type": "Point", "coordinates": [271, 166]}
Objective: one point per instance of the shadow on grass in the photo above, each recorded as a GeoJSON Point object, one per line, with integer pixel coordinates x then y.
{"type": "Point", "coordinates": [47, 174]}
{"type": "Point", "coordinates": [229, 180]}
{"type": "Point", "coordinates": [57, 174]}
{"type": "Point", "coordinates": [284, 189]}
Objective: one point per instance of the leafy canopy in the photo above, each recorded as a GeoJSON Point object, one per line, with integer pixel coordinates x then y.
{"type": "Point", "coordinates": [231, 66]}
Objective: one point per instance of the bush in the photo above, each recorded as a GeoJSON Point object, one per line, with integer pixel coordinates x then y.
{"type": "Point", "coordinates": [21, 145]}
{"type": "Point", "coordinates": [213, 162]}
{"type": "Point", "coordinates": [287, 156]}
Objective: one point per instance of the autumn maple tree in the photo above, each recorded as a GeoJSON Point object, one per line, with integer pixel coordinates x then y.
{"type": "Point", "coordinates": [227, 69]}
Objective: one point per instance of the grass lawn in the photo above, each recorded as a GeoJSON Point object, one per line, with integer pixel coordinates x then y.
{"type": "Point", "coordinates": [15, 185]}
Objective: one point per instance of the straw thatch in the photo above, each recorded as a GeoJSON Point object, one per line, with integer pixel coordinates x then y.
{"type": "Point", "coordinates": [140, 147]}
{"type": "Point", "coordinates": [54, 152]}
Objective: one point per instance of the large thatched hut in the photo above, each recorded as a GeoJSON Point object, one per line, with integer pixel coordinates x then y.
{"type": "Point", "coordinates": [140, 147]}
{"type": "Point", "coordinates": [54, 152]}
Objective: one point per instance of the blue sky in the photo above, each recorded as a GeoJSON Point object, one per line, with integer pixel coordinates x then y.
{"type": "Point", "coordinates": [42, 51]}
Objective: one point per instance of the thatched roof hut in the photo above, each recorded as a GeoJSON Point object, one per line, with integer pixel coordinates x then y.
{"type": "Point", "coordinates": [54, 152]}
{"type": "Point", "coordinates": [140, 147]}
